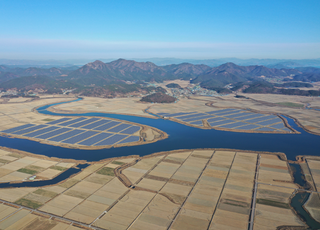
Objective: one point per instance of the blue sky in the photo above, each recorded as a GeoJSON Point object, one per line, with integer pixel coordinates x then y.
{"type": "Point", "coordinates": [145, 29]}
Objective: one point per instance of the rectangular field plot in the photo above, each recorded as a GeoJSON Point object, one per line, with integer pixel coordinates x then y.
{"type": "Point", "coordinates": [107, 126]}
{"type": "Point", "coordinates": [112, 140]}
{"type": "Point", "coordinates": [233, 125]}
{"type": "Point", "coordinates": [227, 121]}
{"type": "Point", "coordinates": [42, 131]}
{"type": "Point", "coordinates": [130, 139]}
{"type": "Point", "coordinates": [131, 130]}
{"type": "Point", "coordinates": [248, 127]}
{"type": "Point", "coordinates": [190, 116]}
{"type": "Point", "coordinates": [30, 129]}
{"type": "Point", "coordinates": [270, 122]}
{"type": "Point", "coordinates": [58, 121]}
{"type": "Point", "coordinates": [17, 128]}
{"type": "Point", "coordinates": [177, 114]}
{"type": "Point", "coordinates": [119, 128]}
{"type": "Point", "coordinates": [66, 135]}
{"type": "Point", "coordinates": [96, 124]}
{"type": "Point", "coordinates": [220, 111]}
{"type": "Point", "coordinates": [278, 126]}
{"type": "Point", "coordinates": [261, 119]}
{"type": "Point", "coordinates": [67, 123]}
{"type": "Point", "coordinates": [95, 139]}
{"type": "Point", "coordinates": [82, 123]}
{"type": "Point", "coordinates": [53, 133]}
{"type": "Point", "coordinates": [80, 137]}
{"type": "Point", "coordinates": [197, 118]}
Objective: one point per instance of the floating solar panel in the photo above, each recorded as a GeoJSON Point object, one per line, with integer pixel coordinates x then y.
{"type": "Point", "coordinates": [197, 123]}
{"type": "Point", "coordinates": [58, 121]}
{"type": "Point", "coordinates": [42, 131]}
{"type": "Point", "coordinates": [119, 128]}
{"type": "Point", "coordinates": [236, 114]}
{"type": "Point", "coordinates": [270, 122]}
{"type": "Point", "coordinates": [249, 116]}
{"type": "Point", "coordinates": [190, 116]}
{"type": "Point", "coordinates": [248, 127]}
{"type": "Point", "coordinates": [177, 114]}
{"type": "Point", "coordinates": [95, 139]}
{"type": "Point", "coordinates": [80, 137]}
{"type": "Point", "coordinates": [72, 121]}
{"type": "Point", "coordinates": [197, 118]}
{"type": "Point", "coordinates": [265, 129]}
{"type": "Point", "coordinates": [30, 129]}
{"type": "Point", "coordinates": [230, 112]}
{"type": "Point", "coordinates": [241, 115]}
{"type": "Point", "coordinates": [96, 124]}
{"type": "Point", "coordinates": [260, 119]}
{"type": "Point", "coordinates": [111, 140]}
{"type": "Point", "coordinates": [82, 123]}
{"type": "Point", "coordinates": [216, 119]}
{"type": "Point", "coordinates": [66, 135]}
{"type": "Point", "coordinates": [233, 125]}
{"type": "Point", "coordinates": [17, 128]}
{"type": "Point", "coordinates": [220, 111]}
{"type": "Point", "coordinates": [221, 122]}
{"type": "Point", "coordinates": [278, 126]}
{"type": "Point", "coordinates": [131, 130]}
{"type": "Point", "coordinates": [130, 139]}
{"type": "Point", "coordinates": [53, 133]}
{"type": "Point", "coordinates": [107, 126]}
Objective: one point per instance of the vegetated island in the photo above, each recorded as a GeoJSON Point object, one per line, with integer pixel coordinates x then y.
{"type": "Point", "coordinates": [173, 85]}
{"type": "Point", "coordinates": [158, 98]}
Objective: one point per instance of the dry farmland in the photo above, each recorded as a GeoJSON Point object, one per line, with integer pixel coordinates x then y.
{"type": "Point", "coordinates": [191, 189]}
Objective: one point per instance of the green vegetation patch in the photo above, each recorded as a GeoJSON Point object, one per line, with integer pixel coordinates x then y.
{"type": "Point", "coordinates": [29, 203]}
{"type": "Point", "coordinates": [69, 183]}
{"type": "Point", "coordinates": [106, 171]}
{"type": "Point", "coordinates": [48, 119]}
{"type": "Point", "coordinates": [235, 203]}
{"type": "Point", "coordinates": [118, 163]}
{"type": "Point", "coordinates": [29, 171]}
{"type": "Point", "coordinates": [35, 168]}
{"type": "Point", "coordinates": [273, 203]}
{"type": "Point", "coordinates": [58, 168]}
{"type": "Point", "coordinates": [290, 104]}
{"type": "Point", "coordinates": [16, 155]}
{"type": "Point", "coordinates": [4, 161]}
{"type": "Point", "coordinates": [78, 194]}
{"type": "Point", "coordinates": [45, 193]}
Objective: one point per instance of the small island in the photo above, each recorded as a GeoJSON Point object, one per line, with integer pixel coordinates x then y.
{"type": "Point", "coordinates": [158, 98]}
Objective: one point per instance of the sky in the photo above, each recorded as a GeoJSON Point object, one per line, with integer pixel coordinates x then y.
{"type": "Point", "coordinates": [55, 29]}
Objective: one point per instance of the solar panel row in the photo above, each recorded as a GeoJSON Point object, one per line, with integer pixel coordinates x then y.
{"type": "Point", "coordinates": [17, 128]}
{"type": "Point", "coordinates": [96, 124]}
{"type": "Point", "coordinates": [107, 126]}
{"type": "Point", "coordinates": [270, 122]}
{"type": "Point", "coordinates": [58, 121]}
{"type": "Point", "coordinates": [80, 137]}
{"type": "Point", "coordinates": [131, 130]}
{"type": "Point", "coordinates": [92, 140]}
{"type": "Point", "coordinates": [33, 128]}
{"type": "Point", "coordinates": [66, 135]}
{"type": "Point", "coordinates": [72, 121]}
{"type": "Point", "coordinates": [53, 133]}
{"type": "Point", "coordinates": [130, 139]}
{"type": "Point", "coordinates": [111, 140]}
{"type": "Point", "coordinates": [119, 128]}
{"type": "Point", "coordinates": [41, 131]}
{"type": "Point", "coordinates": [85, 122]}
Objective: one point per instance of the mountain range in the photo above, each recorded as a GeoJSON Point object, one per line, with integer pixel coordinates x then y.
{"type": "Point", "coordinates": [124, 74]}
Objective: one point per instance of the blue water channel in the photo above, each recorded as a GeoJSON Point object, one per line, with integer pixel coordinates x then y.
{"type": "Point", "coordinates": [180, 137]}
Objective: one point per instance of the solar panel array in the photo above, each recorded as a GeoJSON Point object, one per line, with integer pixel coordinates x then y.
{"type": "Point", "coordinates": [237, 119]}
{"type": "Point", "coordinates": [80, 131]}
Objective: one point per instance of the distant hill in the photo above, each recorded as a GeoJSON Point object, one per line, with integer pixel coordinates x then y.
{"type": "Point", "coordinates": [127, 76]}
{"type": "Point", "coordinates": [158, 98]}
{"type": "Point", "coordinates": [173, 85]}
